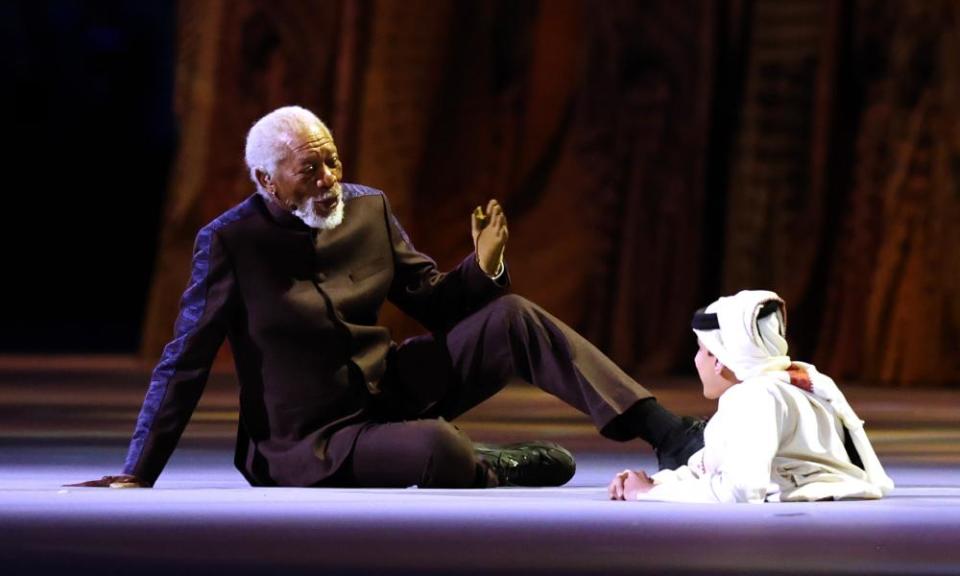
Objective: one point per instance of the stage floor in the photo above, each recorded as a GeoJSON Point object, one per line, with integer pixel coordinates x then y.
{"type": "Point", "coordinates": [67, 420]}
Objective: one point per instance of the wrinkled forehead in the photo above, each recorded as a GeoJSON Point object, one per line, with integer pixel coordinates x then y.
{"type": "Point", "coordinates": [311, 138]}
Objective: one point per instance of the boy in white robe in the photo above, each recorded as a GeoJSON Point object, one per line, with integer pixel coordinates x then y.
{"type": "Point", "coordinates": [782, 430]}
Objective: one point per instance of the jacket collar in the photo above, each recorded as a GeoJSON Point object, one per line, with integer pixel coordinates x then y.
{"type": "Point", "coordinates": [280, 215]}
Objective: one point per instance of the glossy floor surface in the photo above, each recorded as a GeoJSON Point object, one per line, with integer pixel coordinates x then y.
{"type": "Point", "coordinates": [67, 419]}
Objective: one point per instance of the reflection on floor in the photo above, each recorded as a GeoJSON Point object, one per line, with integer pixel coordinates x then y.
{"type": "Point", "coordinates": [67, 419]}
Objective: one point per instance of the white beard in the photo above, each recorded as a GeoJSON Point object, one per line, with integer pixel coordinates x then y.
{"type": "Point", "coordinates": [308, 214]}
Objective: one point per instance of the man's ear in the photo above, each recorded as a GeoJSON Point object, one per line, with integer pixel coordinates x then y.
{"type": "Point", "coordinates": [264, 180]}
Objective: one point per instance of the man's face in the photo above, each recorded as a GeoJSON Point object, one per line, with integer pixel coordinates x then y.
{"type": "Point", "coordinates": [711, 373]}
{"type": "Point", "coordinates": [307, 180]}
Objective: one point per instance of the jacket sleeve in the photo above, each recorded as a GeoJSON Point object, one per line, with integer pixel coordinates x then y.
{"type": "Point", "coordinates": [735, 465]}
{"type": "Point", "coordinates": [179, 378]}
{"type": "Point", "coordinates": [437, 300]}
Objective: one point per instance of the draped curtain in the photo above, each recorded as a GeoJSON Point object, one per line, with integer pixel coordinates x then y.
{"type": "Point", "coordinates": [650, 155]}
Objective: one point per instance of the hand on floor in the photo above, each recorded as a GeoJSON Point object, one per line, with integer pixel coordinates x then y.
{"type": "Point", "coordinates": [121, 481]}
{"type": "Point", "coordinates": [627, 484]}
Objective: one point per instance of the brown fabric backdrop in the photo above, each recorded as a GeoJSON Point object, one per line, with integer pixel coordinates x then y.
{"type": "Point", "coordinates": [650, 155]}
{"type": "Point", "coordinates": [893, 312]}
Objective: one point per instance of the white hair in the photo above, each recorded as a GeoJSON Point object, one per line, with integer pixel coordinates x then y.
{"type": "Point", "coordinates": [272, 137]}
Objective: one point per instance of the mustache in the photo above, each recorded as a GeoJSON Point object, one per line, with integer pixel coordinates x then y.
{"type": "Point", "coordinates": [335, 191]}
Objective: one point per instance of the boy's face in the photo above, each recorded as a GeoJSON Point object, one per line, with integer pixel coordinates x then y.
{"type": "Point", "coordinates": [712, 373]}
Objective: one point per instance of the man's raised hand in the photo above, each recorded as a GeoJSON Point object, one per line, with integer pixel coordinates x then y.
{"type": "Point", "coordinates": [489, 230]}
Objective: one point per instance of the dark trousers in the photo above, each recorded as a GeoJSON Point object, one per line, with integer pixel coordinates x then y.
{"type": "Point", "coordinates": [434, 378]}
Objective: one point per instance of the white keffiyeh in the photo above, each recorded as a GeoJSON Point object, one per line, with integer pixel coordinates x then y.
{"type": "Point", "coordinates": [746, 344]}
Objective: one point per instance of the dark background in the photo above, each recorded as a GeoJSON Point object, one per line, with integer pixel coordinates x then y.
{"type": "Point", "coordinates": [90, 140]}
{"type": "Point", "coordinates": [651, 155]}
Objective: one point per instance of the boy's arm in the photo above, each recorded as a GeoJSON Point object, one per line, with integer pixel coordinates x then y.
{"type": "Point", "coordinates": [747, 441]}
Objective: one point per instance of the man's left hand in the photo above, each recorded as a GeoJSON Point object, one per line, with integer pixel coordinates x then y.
{"type": "Point", "coordinates": [490, 235]}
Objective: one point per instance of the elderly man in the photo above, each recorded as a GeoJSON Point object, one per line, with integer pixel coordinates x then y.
{"type": "Point", "coordinates": [295, 275]}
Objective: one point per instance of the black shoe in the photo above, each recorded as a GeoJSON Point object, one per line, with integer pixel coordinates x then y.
{"type": "Point", "coordinates": [528, 463]}
{"type": "Point", "coordinates": [681, 444]}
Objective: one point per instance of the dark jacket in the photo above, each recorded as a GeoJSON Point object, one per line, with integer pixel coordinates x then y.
{"type": "Point", "coordinates": [299, 308]}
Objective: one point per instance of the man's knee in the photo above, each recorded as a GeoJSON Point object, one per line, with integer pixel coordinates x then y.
{"type": "Point", "coordinates": [451, 462]}
{"type": "Point", "coordinates": [512, 308]}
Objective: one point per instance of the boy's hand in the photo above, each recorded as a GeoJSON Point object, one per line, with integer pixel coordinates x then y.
{"type": "Point", "coordinates": [627, 484]}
